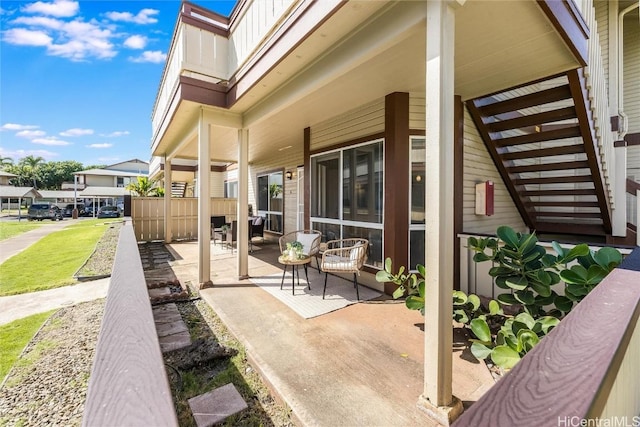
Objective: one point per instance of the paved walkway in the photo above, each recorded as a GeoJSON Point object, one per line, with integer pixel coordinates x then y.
{"type": "Point", "coordinates": [17, 244]}
{"type": "Point", "coordinates": [18, 306]}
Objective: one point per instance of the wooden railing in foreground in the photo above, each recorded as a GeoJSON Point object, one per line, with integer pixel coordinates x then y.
{"type": "Point", "coordinates": [128, 384]}
{"type": "Point", "coordinates": [585, 372]}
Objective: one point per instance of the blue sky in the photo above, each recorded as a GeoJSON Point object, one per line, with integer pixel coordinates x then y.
{"type": "Point", "coordinates": [78, 79]}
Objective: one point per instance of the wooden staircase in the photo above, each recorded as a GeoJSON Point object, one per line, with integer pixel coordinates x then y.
{"type": "Point", "coordinates": [542, 140]}
{"type": "Point", "coordinates": [178, 189]}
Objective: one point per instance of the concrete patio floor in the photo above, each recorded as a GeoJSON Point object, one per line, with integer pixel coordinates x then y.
{"type": "Point", "coordinates": [358, 366]}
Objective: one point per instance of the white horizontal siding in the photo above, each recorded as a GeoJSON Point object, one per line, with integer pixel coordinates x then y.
{"type": "Point", "coordinates": [417, 111]}
{"type": "Point", "coordinates": [479, 167]}
{"type": "Point", "coordinates": [632, 73]}
{"type": "Point", "coordinates": [216, 180]}
{"type": "Point", "coordinates": [602, 18]}
{"type": "Point", "coordinates": [362, 121]}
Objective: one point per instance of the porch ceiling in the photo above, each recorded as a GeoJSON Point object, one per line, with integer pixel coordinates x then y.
{"type": "Point", "coordinates": [499, 44]}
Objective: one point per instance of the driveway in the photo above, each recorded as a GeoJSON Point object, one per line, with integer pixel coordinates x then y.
{"type": "Point", "coordinates": [17, 244]}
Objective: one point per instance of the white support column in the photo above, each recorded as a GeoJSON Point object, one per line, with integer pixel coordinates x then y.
{"type": "Point", "coordinates": [243, 204]}
{"type": "Point", "coordinates": [204, 203]}
{"type": "Point", "coordinates": [437, 399]}
{"type": "Point", "coordinates": [619, 213]}
{"type": "Point", "coordinates": [167, 200]}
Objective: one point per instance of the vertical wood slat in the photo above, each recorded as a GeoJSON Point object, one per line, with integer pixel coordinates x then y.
{"type": "Point", "coordinates": [147, 214]}
{"type": "Point", "coordinates": [128, 384]}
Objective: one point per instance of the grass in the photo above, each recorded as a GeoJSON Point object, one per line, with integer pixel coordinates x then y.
{"type": "Point", "coordinates": [52, 261]}
{"type": "Point", "coordinates": [10, 229]}
{"type": "Point", "coordinates": [15, 336]}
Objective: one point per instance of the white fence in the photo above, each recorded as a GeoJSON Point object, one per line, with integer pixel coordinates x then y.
{"type": "Point", "coordinates": [147, 214]}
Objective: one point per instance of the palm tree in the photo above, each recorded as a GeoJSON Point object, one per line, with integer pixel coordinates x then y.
{"type": "Point", "coordinates": [33, 163]}
{"type": "Point", "coordinates": [5, 161]}
{"type": "Point", "coordinates": [144, 187]}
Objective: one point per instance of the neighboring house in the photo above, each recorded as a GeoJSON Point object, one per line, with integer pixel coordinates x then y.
{"type": "Point", "coordinates": [58, 197]}
{"type": "Point", "coordinates": [378, 120]}
{"type": "Point", "coordinates": [108, 184]}
{"type": "Point", "coordinates": [5, 177]}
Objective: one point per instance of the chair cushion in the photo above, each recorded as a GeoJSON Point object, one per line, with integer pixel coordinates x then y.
{"type": "Point", "coordinates": [334, 263]}
{"type": "Point", "coordinates": [356, 252]}
{"type": "Point", "coordinates": [257, 220]}
{"type": "Point", "coordinates": [307, 241]}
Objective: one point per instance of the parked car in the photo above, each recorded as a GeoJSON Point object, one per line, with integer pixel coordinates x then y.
{"type": "Point", "coordinates": [109, 212]}
{"type": "Point", "coordinates": [68, 209]}
{"type": "Point", "coordinates": [40, 211]}
{"type": "Point", "coordinates": [92, 209]}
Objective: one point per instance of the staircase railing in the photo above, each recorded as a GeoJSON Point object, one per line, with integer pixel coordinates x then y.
{"type": "Point", "coordinates": [599, 99]}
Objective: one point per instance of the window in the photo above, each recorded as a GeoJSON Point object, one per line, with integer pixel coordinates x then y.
{"type": "Point", "coordinates": [416, 200]}
{"type": "Point", "coordinates": [347, 193]}
{"type": "Point", "coordinates": [231, 189]}
{"type": "Point", "coordinates": [270, 201]}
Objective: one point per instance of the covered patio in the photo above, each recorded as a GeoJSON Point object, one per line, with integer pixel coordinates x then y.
{"type": "Point", "coordinates": [359, 365]}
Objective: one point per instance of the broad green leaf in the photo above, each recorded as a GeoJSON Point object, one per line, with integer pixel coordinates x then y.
{"type": "Point", "coordinates": [480, 351]}
{"type": "Point", "coordinates": [559, 249]}
{"type": "Point", "coordinates": [459, 298]}
{"type": "Point", "coordinates": [517, 282]}
{"type": "Point", "coordinates": [508, 236]}
{"type": "Point", "coordinates": [492, 243]}
{"type": "Point", "coordinates": [387, 265]}
{"type": "Point", "coordinates": [480, 329]}
{"type": "Point", "coordinates": [475, 301]}
{"type": "Point", "coordinates": [547, 323]}
{"type": "Point", "coordinates": [542, 301]}
{"type": "Point", "coordinates": [576, 274]}
{"type": "Point", "coordinates": [555, 278]}
{"type": "Point", "coordinates": [563, 304]}
{"type": "Point", "coordinates": [414, 302]}
{"type": "Point", "coordinates": [608, 257]}
{"type": "Point", "coordinates": [422, 270]}
{"type": "Point", "coordinates": [526, 319]}
{"type": "Point", "coordinates": [525, 297]}
{"type": "Point", "coordinates": [460, 316]}
{"type": "Point", "coordinates": [398, 293]}
{"type": "Point", "coordinates": [505, 357]}
{"type": "Point", "coordinates": [501, 282]}
{"type": "Point", "coordinates": [500, 271]}
{"type": "Point", "coordinates": [494, 307]}
{"type": "Point", "coordinates": [383, 276]}
{"type": "Point", "coordinates": [401, 270]}
{"type": "Point", "coordinates": [481, 257]}
{"type": "Point", "coordinates": [421, 289]}
{"type": "Point", "coordinates": [507, 299]}
{"type": "Point", "coordinates": [528, 244]}
{"type": "Point", "coordinates": [527, 340]}
{"type": "Point", "coordinates": [595, 274]}
{"type": "Point", "coordinates": [577, 290]}
{"type": "Point", "coordinates": [541, 289]}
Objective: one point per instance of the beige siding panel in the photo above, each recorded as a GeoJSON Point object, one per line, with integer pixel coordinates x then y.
{"type": "Point", "coordinates": [632, 72]}
{"type": "Point", "coordinates": [417, 108]}
{"type": "Point", "coordinates": [360, 122]}
{"type": "Point", "coordinates": [100, 181]}
{"type": "Point", "coordinates": [602, 18]}
{"type": "Point", "coordinates": [217, 184]}
{"type": "Point", "coordinates": [479, 167]}
{"type": "Point", "coordinates": [633, 162]}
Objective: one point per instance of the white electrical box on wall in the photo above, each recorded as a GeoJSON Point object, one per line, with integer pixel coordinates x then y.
{"type": "Point", "coordinates": [484, 198]}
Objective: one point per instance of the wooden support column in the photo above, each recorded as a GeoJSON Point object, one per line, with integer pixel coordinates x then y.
{"type": "Point", "coordinates": [396, 183]}
{"type": "Point", "coordinates": [167, 200]}
{"type": "Point", "coordinates": [204, 203]}
{"type": "Point", "coordinates": [437, 399]}
{"type": "Point", "coordinates": [243, 204]}
{"type": "Point", "coordinates": [307, 178]}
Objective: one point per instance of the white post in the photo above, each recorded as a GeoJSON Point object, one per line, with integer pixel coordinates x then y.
{"type": "Point", "coordinates": [619, 213]}
{"type": "Point", "coordinates": [167, 200]}
{"type": "Point", "coordinates": [243, 204]}
{"type": "Point", "coordinates": [437, 399]}
{"type": "Point", "coordinates": [637, 217]}
{"type": "Point", "coordinates": [204, 203]}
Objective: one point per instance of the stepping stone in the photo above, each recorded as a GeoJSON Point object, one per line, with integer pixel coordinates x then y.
{"type": "Point", "coordinates": [159, 292]}
{"type": "Point", "coordinates": [173, 333]}
{"type": "Point", "coordinates": [217, 405]}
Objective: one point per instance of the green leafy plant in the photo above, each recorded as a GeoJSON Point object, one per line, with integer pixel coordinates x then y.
{"type": "Point", "coordinates": [410, 284]}
{"type": "Point", "coordinates": [295, 245]}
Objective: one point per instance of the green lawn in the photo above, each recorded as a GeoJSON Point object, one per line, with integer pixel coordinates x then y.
{"type": "Point", "coordinates": [15, 336]}
{"type": "Point", "coordinates": [10, 229]}
{"type": "Point", "coordinates": [52, 261]}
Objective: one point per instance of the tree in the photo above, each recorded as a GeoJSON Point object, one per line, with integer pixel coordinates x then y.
{"type": "Point", "coordinates": [5, 162]}
{"type": "Point", "coordinates": [144, 187]}
{"type": "Point", "coordinates": [33, 163]}
{"type": "Point", "coordinates": [51, 175]}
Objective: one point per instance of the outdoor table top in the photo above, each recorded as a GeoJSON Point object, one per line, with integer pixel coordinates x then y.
{"type": "Point", "coordinates": [284, 259]}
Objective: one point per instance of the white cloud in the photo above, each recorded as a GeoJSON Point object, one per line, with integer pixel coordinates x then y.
{"type": "Point", "coordinates": [59, 8]}
{"type": "Point", "coordinates": [39, 21]}
{"type": "Point", "coordinates": [115, 134]}
{"type": "Point", "coordinates": [15, 126]}
{"type": "Point", "coordinates": [77, 132]}
{"type": "Point", "coordinates": [145, 16]}
{"type": "Point", "coordinates": [31, 134]}
{"type": "Point", "coordinates": [18, 154]}
{"type": "Point", "coordinates": [24, 37]}
{"type": "Point", "coordinates": [154, 56]}
{"type": "Point", "coordinates": [103, 145]}
{"type": "Point", "coordinates": [50, 140]}
{"type": "Point", "coordinates": [136, 42]}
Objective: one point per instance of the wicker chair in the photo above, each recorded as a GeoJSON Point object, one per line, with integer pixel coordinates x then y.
{"type": "Point", "coordinates": [310, 240]}
{"type": "Point", "coordinates": [344, 256]}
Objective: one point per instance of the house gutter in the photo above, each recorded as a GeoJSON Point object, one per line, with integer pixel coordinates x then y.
{"type": "Point", "coordinates": [624, 125]}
